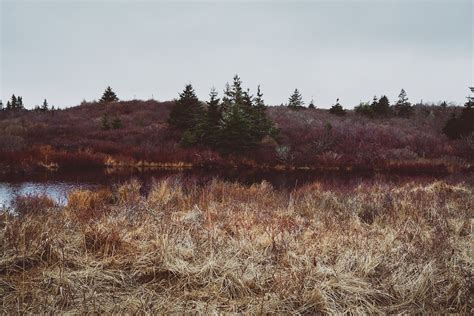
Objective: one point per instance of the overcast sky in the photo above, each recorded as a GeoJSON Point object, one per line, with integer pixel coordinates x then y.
{"type": "Point", "coordinates": [67, 51]}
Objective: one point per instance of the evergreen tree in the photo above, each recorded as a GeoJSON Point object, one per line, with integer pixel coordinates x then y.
{"type": "Point", "coordinates": [109, 96]}
{"type": "Point", "coordinates": [311, 105]}
{"type": "Point", "coordinates": [296, 100]}
{"type": "Point", "coordinates": [104, 122]}
{"type": "Point", "coordinates": [262, 125]}
{"type": "Point", "coordinates": [452, 127]}
{"type": "Point", "coordinates": [8, 106]}
{"type": "Point", "coordinates": [403, 108]}
{"type": "Point", "coordinates": [116, 123]}
{"type": "Point", "coordinates": [1, 105]}
{"type": "Point", "coordinates": [364, 108]}
{"type": "Point", "coordinates": [19, 103]}
{"type": "Point", "coordinates": [236, 130]}
{"type": "Point", "coordinates": [44, 108]}
{"type": "Point", "coordinates": [382, 107]}
{"type": "Point", "coordinates": [247, 103]}
{"type": "Point", "coordinates": [209, 127]}
{"type": "Point", "coordinates": [186, 110]}
{"type": "Point", "coordinates": [244, 121]}
{"type": "Point", "coordinates": [236, 91]}
{"type": "Point", "coordinates": [337, 109]}
{"type": "Point", "coordinates": [13, 102]}
{"type": "Point", "coordinates": [464, 124]}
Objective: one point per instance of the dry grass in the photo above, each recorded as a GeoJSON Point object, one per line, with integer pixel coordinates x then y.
{"type": "Point", "coordinates": [228, 248]}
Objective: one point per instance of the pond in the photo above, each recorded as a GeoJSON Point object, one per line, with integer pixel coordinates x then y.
{"type": "Point", "coordinates": [57, 185]}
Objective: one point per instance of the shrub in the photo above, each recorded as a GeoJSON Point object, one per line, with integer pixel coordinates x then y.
{"type": "Point", "coordinates": [337, 109]}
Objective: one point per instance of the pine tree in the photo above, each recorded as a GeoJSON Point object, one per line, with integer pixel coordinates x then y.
{"type": "Point", "coordinates": [403, 108]}
{"type": "Point", "coordinates": [19, 103]}
{"type": "Point", "coordinates": [311, 105]}
{"type": "Point", "coordinates": [208, 129]}
{"type": "Point", "coordinates": [236, 130]}
{"type": "Point", "coordinates": [463, 125]}
{"type": "Point", "coordinates": [104, 122]}
{"type": "Point", "coordinates": [262, 125]}
{"type": "Point", "coordinates": [402, 97]}
{"type": "Point", "coordinates": [44, 108]}
{"type": "Point", "coordinates": [244, 121]}
{"type": "Point", "coordinates": [247, 102]}
{"type": "Point", "coordinates": [382, 107]}
{"type": "Point", "coordinates": [13, 102]}
{"type": "Point", "coordinates": [296, 100]}
{"type": "Point", "coordinates": [1, 105]}
{"type": "Point", "coordinates": [8, 106]}
{"type": "Point", "coordinates": [337, 109]}
{"type": "Point", "coordinates": [186, 110]}
{"type": "Point", "coordinates": [236, 92]}
{"type": "Point", "coordinates": [109, 96]}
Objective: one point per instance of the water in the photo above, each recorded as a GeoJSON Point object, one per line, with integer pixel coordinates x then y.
{"type": "Point", "coordinates": [56, 185]}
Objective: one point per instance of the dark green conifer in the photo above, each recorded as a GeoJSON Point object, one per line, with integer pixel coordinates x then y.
{"type": "Point", "coordinates": [104, 122]}
{"type": "Point", "coordinates": [116, 123]}
{"type": "Point", "coordinates": [186, 110]}
{"type": "Point", "coordinates": [337, 109]}
{"type": "Point", "coordinates": [296, 100]}
{"type": "Point", "coordinates": [109, 96]}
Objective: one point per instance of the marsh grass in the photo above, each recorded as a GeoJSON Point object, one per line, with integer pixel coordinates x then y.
{"type": "Point", "coordinates": [228, 248]}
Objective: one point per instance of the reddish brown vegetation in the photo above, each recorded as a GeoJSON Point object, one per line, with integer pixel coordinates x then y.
{"type": "Point", "coordinates": [72, 138]}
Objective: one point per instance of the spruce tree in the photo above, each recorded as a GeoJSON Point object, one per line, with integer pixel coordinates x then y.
{"type": "Point", "coordinates": [116, 123]}
{"type": "Point", "coordinates": [311, 105]}
{"type": "Point", "coordinates": [13, 102]}
{"type": "Point", "coordinates": [457, 127]}
{"type": "Point", "coordinates": [186, 110]}
{"type": "Point", "coordinates": [337, 109]}
{"type": "Point", "coordinates": [243, 122]}
{"type": "Point", "coordinates": [44, 107]}
{"type": "Point", "coordinates": [212, 118]}
{"type": "Point", "coordinates": [8, 106]}
{"type": "Point", "coordinates": [236, 130]}
{"type": "Point", "coordinates": [19, 103]}
{"type": "Point", "coordinates": [109, 96]}
{"type": "Point", "coordinates": [247, 102]}
{"type": "Point", "coordinates": [296, 100]}
{"type": "Point", "coordinates": [104, 122]}
{"type": "Point", "coordinates": [263, 126]}
{"type": "Point", "coordinates": [403, 108]}
{"type": "Point", "coordinates": [382, 107]}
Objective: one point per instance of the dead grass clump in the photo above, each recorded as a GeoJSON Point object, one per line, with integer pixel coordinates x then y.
{"type": "Point", "coordinates": [102, 240]}
{"type": "Point", "coordinates": [129, 193]}
{"type": "Point", "coordinates": [167, 195]}
{"type": "Point", "coordinates": [86, 205]}
{"type": "Point", "coordinates": [230, 248]}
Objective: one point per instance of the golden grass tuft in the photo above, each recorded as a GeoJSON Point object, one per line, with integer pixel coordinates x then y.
{"type": "Point", "coordinates": [229, 248]}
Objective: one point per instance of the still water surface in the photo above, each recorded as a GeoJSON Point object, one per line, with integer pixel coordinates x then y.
{"type": "Point", "coordinates": [57, 185]}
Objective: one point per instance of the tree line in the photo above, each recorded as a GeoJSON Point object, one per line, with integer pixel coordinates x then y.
{"type": "Point", "coordinates": [238, 121]}
{"type": "Point", "coordinates": [234, 123]}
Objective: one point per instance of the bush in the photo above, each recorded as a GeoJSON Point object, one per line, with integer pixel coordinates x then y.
{"type": "Point", "coordinates": [337, 109]}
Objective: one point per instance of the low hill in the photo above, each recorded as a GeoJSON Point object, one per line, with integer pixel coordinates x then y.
{"type": "Point", "coordinates": [307, 138]}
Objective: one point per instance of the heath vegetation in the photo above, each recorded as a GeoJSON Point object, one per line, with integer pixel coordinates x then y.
{"type": "Point", "coordinates": [238, 129]}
